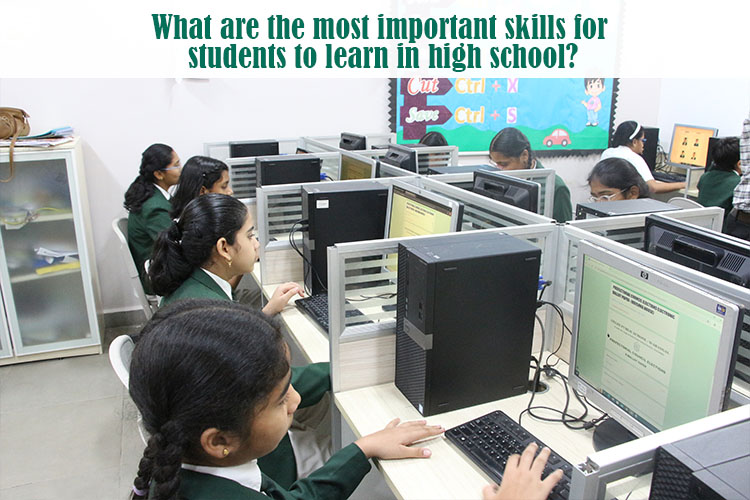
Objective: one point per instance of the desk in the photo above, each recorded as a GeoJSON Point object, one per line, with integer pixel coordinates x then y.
{"type": "Point", "coordinates": [448, 473]}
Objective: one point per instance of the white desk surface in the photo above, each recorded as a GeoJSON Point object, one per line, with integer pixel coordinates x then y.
{"type": "Point", "coordinates": [308, 336]}
{"type": "Point", "coordinates": [448, 473]}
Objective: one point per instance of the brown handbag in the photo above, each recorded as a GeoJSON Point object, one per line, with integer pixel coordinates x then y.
{"type": "Point", "coordinates": [13, 123]}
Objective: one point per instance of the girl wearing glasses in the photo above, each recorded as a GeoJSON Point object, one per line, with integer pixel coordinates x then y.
{"type": "Point", "coordinates": [615, 179]}
{"type": "Point", "coordinates": [628, 143]}
{"type": "Point", "coordinates": [510, 150]}
{"type": "Point", "coordinates": [147, 201]}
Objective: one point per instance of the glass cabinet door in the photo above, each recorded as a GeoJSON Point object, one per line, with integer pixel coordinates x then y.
{"type": "Point", "coordinates": [5, 347]}
{"type": "Point", "coordinates": [41, 270]}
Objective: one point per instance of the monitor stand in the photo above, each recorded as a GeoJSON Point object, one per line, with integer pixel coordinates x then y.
{"type": "Point", "coordinates": [609, 433]}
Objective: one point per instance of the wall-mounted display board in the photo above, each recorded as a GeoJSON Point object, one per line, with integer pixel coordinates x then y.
{"type": "Point", "coordinates": [558, 115]}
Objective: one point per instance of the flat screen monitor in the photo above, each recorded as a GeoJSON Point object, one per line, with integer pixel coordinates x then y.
{"type": "Point", "coordinates": [401, 156]}
{"type": "Point", "coordinates": [511, 190]}
{"type": "Point", "coordinates": [416, 212]}
{"type": "Point", "coordinates": [356, 167]}
{"type": "Point", "coordinates": [352, 142]}
{"type": "Point", "coordinates": [690, 145]}
{"type": "Point", "coordinates": [710, 252]}
{"type": "Point", "coordinates": [289, 169]}
{"type": "Point", "coordinates": [652, 351]}
{"type": "Point", "coordinates": [253, 148]}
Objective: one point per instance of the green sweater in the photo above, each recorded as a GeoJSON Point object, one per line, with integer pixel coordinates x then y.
{"type": "Point", "coordinates": [337, 479]}
{"type": "Point", "coordinates": [143, 228]}
{"type": "Point", "coordinates": [716, 189]}
{"type": "Point", "coordinates": [562, 210]}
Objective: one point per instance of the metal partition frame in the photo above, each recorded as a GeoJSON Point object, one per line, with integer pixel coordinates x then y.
{"type": "Point", "coordinates": [367, 351]}
{"type": "Point", "coordinates": [481, 212]}
{"type": "Point", "coordinates": [435, 156]}
{"type": "Point", "coordinates": [332, 141]}
{"type": "Point", "coordinates": [589, 479]}
{"type": "Point", "coordinates": [545, 177]}
{"type": "Point", "coordinates": [220, 150]}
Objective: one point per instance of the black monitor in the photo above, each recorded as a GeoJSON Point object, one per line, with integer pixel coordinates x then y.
{"type": "Point", "coordinates": [253, 148]}
{"type": "Point", "coordinates": [402, 157]}
{"type": "Point", "coordinates": [289, 169]}
{"type": "Point", "coordinates": [712, 253]}
{"type": "Point", "coordinates": [352, 142]}
{"type": "Point", "coordinates": [511, 190]}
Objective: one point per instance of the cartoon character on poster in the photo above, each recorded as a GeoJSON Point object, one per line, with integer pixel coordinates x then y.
{"type": "Point", "coordinates": [594, 87]}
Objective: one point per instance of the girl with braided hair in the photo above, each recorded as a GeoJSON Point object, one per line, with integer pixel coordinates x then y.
{"type": "Point", "coordinates": [213, 384]}
{"type": "Point", "coordinates": [147, 201]}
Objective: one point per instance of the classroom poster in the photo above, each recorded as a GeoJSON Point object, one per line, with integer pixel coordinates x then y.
{"type": "Point", "coordinates": [560, 115]}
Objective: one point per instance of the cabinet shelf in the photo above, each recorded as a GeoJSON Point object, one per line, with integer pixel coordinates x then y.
{"type": "Point", "coordinates": [48, 217]}
{"type": "Point", "coordinates": [32, 276]}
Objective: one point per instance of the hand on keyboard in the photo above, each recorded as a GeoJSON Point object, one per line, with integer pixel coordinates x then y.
{"type": "Point", "coordinates": [523, 477]}
{"type": "Point", "coordinates": [281, 297]}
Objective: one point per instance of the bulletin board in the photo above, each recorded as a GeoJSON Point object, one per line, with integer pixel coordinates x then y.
{"type": "Point", "coordinates": [560, 116]}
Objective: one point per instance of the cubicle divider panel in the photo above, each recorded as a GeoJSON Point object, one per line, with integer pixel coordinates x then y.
{"type": "Point", "coordinates": [242, 177]}
{"type": "Point", "coordinates": [331, 142]}
{"type": "Point", "coordinates": [320, 144]}
{"type": "Point", "coordinates": [573, 234]}
{"type": "Point", "coordinates": [363, 276]}
{"type": "Point", "coordinates": [220, 150]}
{"type": "Point", "coordinates": [627, 230]}
{"type": "Point", "coordinates": [435, 156]}
{"type": "Point", "coordinates": [481, 212]}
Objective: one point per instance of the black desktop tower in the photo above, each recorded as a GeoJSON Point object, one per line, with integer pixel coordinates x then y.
{"type": "Point", "coordinates": [464, 319]}
{"type": "Point", "coordinates": [651, 134]}
{"type": "Point", "coordinates": [712, 142]}
{"type": "Point", "coordinates": [338, 213]}
{"type": "Point", "coordinates": [713, 465]}
{"type": "Point", "coordinates": [595, 209]}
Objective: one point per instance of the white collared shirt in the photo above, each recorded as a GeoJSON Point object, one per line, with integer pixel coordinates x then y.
{"type": "Point", "coordinates": [224, 284]}
{"type": "Point", "coordinates": [632, 157]}
{"type": "Point", "coordinates": [164, 192]}
{"type": "Point", "coordinates": [247, 474]}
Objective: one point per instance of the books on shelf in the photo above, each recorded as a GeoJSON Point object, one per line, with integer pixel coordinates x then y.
{"type": "Point", "coordinates": [53, 137]}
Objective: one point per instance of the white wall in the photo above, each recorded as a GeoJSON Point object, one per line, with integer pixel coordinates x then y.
{"type": "Point", "coordinates": [118, 119]}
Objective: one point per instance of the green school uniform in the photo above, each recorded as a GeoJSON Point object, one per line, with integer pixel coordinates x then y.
{"type": "Point", "coordinates": [143, 228]}
{"type": "Point", "coordinates": [337, 479]}
{"type": "Point", "coordinates": [198, 285]}
{"type": "Point", "coordinates": [716, 189]}
{"type": "Point", "coordinates": [562, 210]}
{"type": "Point", "coordinates": [311, 381]}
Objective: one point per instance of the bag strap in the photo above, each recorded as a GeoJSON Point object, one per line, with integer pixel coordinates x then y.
{"type": "Point", "coordinates": [16, 132]}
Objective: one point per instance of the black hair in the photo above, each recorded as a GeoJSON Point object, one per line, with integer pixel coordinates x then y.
{"type": "Point", "coordinates": [586, 82]}
{"type": "Point", "coordinates": [189, 241]}
{"type": "Point", "coordinates": [156, 157]}
{"type": "Point", "coordinates": [726, 154]}
{"type": "Point", "coordinates": [511, 142]}
{"type": "Point", "coordinates": [624, 131]}
{"type": "Point", "coordinates": [197, 365]}
{"type": "Point", "coordinates": [433, 139]}
{"type": "Point", "coordinates": [616, 173]}
{"type": "Point", "coordinates": [198, 172]}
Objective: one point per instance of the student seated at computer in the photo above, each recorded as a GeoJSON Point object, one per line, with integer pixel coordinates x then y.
{"type": "Point", "coordinates": [200, 175]}
{"type": "Point", "coordinates": [615, 179]}
{"type": "Point", "coordinates": [147, 201]}
{"type": "Point", "coordinates": [212, 242]}
{"type": "Point", "coordinates": [433, 139]}
{"type": "Point", "coordinates": [716, 186]}
{"type": "Point", "coordinates": [627, 143]}
{"type": "Point", "coordinates": [213, 383]}
{"type": "Point", "coordinates": [511, 150]}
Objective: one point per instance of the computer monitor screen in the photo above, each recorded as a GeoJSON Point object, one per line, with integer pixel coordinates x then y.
{"type": "Point", "coordinates": [352, 142]}
{"type": "Point", "coordinates": [415, 212]}
{"type": "Point", "coordinates": [253, 148]}
{"type": "Point", "coordinates": [694, 247]}
{"type": "Point", "coordinates": [511, 190]}
{"type": "Point", "coordinates": [690, 145]}
{"type": "Point", "coordinates": [288, 169]}
{"type": "Point", "coordinates": [401, 156]}
{"type": "Point", "coordinates": [356, 167]}
{"type": "Point", "coordinates": [651, 351]}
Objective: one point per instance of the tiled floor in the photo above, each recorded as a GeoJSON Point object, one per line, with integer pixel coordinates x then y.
{"type": "Point", "coordinates": [68, 431]}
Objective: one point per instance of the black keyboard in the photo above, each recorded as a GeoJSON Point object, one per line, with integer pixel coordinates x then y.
{"type": "Point", "coordinates": [669, 177]}
{"type": "Point", "coordinates": [489, 440]}
{"type": "Point", "coordinates": [316, 306]}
